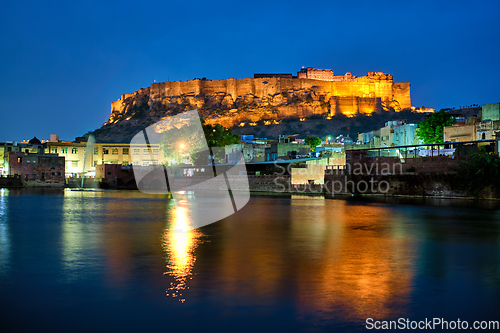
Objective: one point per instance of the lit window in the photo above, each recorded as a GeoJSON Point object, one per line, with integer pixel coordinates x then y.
{"type": "Point", "coordinates": [19, 160]}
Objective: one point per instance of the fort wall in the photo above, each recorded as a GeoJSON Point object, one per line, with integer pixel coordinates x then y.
{"type": "Point", "coordinates": [351, 96]}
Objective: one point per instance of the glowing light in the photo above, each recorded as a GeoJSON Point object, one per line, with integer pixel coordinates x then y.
{"type": "Point", "coordinates": [182, 146]}
{"type": "Point", "coordinates": [241, 124]}
{"type": "Point", "coordinates": [180, 241]}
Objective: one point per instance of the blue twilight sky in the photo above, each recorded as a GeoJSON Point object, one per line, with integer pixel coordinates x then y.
{"type": "Point", "coordinates": [62, 63]}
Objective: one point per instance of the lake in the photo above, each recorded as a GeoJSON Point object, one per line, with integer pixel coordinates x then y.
{"type": "Point", "coordinates": [116, 261]}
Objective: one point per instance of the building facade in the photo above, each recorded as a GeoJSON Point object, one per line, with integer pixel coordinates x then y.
{"type": "Point", "coordinates": [37, 169]}
{"type": "Point", "coordinates": [103, 153]}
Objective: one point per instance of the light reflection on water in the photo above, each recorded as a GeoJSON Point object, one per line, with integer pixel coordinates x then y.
{"type": "Point", "coordinates": [179, 243]}
{"type": "Point", "coordinates": [80, 233]}
{"type": "Point", "coordinates": [4, 233]}
{"type": "Point", "coordinates": [295, 262]}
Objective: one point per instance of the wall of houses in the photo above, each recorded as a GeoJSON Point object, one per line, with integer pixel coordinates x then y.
{"type": "Point", "coordinates": [37, 170]}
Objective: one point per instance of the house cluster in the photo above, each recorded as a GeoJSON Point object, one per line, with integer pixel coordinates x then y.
{"type": "Point", "coordinates": [394, 133]}
{"type": "Point", "coordinates": [52, 162]}
{"type": "Point", "coordinates": [474, 123]}
{"type": "Point", "coordinates": [471, 124]}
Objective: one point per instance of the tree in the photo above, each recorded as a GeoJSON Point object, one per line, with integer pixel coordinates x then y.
{"type": "Point", "coordinates": [188, 140]}
{"type": "Point", "coordinates": [431, 129]}
{"type": "Point", "coordinates": [178, 142]}
{"type": "Point", "coordinates": [479, 173]}
{"type": "Point", "coordinates": [217, 137]}
{"type": "Point", "coordinates": [312, 141]}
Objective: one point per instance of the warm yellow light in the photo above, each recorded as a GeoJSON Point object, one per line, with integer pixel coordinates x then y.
{"type": "Point", "coordinates": [182, 146]}
{"type": "Point", "coordinates": [180, 241]}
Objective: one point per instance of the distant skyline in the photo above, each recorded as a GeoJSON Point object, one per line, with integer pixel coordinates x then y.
{"type": "Point", "coordinates": [63, 63]}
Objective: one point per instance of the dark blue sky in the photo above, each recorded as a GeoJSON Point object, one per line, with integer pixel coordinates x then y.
{"type": "Point", "coordinates": [63, 63]}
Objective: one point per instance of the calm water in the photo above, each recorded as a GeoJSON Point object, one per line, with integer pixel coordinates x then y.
{"type": "Point", "coordinates": [111, 261]}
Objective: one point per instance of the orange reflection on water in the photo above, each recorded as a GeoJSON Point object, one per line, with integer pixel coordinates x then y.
{"type": "Point", "coordinates": [179, 241]}
{"type": "Point", "coordinates": [367, 270]}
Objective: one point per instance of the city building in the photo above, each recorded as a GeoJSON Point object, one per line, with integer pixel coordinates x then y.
{"type": "Point", "coordinates": [461, 132]}
{"type": "Point", "coordinates": [406, 135]}
{"type": "Point", "coordinates": [103, 153]}
{"type": "Point", "coordinates": [37, 169]}
{"type": "Point", "coordinates": [32, 146]}
{"type": "Point", "coordinates": [327, 75]}
{"type": "Point", "coordinates": [490, 112]}
{"type": "Point", "coordinates": [387, 133]}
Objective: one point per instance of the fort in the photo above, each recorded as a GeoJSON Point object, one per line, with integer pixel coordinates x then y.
{"type": "Point", "coordinates": [233, 102]}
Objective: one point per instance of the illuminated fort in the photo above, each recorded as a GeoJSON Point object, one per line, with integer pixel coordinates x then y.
{"type": "Point", "coordinates": [232, 102]}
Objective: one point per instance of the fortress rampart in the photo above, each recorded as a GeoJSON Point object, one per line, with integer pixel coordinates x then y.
{"type": "Point", "coordinates": [280, 97]}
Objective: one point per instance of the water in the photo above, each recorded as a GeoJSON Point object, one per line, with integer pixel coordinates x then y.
{"type": "Point", "coordinates": [111, 261]}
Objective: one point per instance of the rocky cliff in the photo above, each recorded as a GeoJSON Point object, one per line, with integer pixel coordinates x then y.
{"type": "Point", "coordinates": [245, 102]}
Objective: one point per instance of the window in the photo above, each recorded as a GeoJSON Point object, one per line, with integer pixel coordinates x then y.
{"type": "Point", "coordinates": [74, 164]}
{"type": "Point", "coordinates": [64, 150]}
{"type": "Point", "coordinates": [53, 150]}
{"type": "Point", "coordinates": [59, 174]}
{"type": "Point", "coordinates": [53, 174]}
{"type": "Point", "coordinates": [105, 151]}
{"type": "Point", "coordinates": [19, 160]}
{"type": "Point", "coordinates": [125, 151]}
{"type": "Point", "coordinates": [96, 151]}
{"type": "Point", "coordinates": [136, 151]}
{"type": "Point", "coordinates": [74, 151]}
{"type": "Point", "coordinates": [155, 150]}
{"type": "Point", "coordinates": [125, 163]}
{"type": "Point", "coordinates": [95, 163]}
{"type": "Point", "coordinates": [145, 151]}
{"type": "Point", "coordinates": [114, 151]}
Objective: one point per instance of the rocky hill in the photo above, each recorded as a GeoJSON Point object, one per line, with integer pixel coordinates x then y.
{"type": "Point", "coordinates": [264, 106]}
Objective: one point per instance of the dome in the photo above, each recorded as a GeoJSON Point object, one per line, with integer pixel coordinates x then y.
{"type": "Point", "coordinates": [35, 141]}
